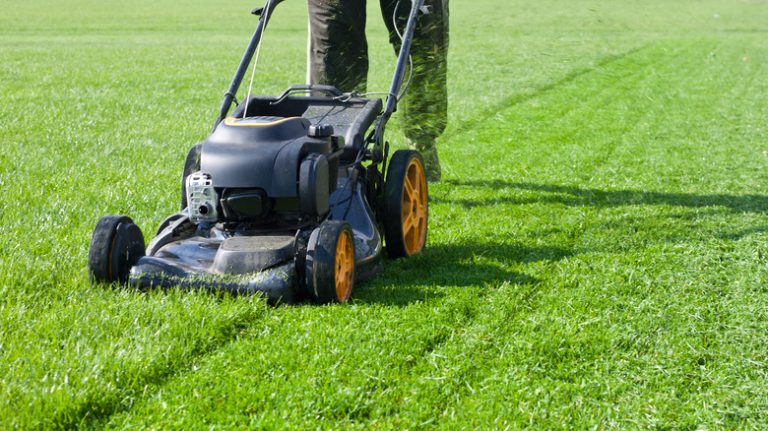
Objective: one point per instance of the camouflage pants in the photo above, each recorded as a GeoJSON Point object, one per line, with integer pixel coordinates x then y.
{"type": "Point", "coordinates": [338, 55]}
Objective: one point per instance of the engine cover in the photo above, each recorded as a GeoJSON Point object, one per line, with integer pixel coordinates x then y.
{"type": "Point", "coordinates": [260, 152]}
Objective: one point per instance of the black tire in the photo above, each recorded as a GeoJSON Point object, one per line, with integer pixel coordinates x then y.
{"type": "Point", "coordinates": [406, 207]}
{"type": "Point", "coordinates": [116, 245]}
{"type": "Point", "coordinates": [330, 263]}
{"type": "Point", "coordinates": [191, 165]}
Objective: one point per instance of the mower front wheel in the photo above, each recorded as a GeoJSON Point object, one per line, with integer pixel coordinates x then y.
{"type": "Point", "coordinates": [406, 208]}
{"type": "Point", "coordinates": [116, 245]}
{"type": "Point", "coordinates": [330, 262]}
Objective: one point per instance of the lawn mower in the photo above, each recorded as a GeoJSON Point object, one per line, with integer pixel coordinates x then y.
{"type": "Point", "coordinates": [290, 196]}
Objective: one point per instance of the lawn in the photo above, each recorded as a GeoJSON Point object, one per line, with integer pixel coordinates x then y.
{"type": "Point", "coordinates": [597, 250]}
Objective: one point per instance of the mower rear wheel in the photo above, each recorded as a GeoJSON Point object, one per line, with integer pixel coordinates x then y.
{"type": "Point", "coordinates": [330, 262]}
{"type": "Point", "coordinates": [406, 210]}
{"type": "Point", "coordinates": [116, 245]}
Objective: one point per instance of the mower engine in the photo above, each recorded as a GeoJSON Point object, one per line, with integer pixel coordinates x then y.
{"type": "Point", "coordinates": [257, 169]}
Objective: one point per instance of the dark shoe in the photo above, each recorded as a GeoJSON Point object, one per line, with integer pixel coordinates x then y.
{"type": "Point", "coordinates": [431, 165]}
{"type": "Point", "coordinates": [431, 161]}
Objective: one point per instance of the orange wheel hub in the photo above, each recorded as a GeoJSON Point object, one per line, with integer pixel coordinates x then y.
{"type": "Point", "coordinates": [414, 207]}
{"type": "Point", "coordinates": [345, 262]}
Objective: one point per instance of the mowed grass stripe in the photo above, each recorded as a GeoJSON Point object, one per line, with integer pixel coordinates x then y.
{"type": "Point", "coordinates": [70, 365]}
{"type": "Point", "coordinates": [546, 138]}
{"type": "Point", "coordinates": [516, 214]}
{"type": "Point", "coordinates": [700, 281]}
{"type": "Point", "coordinates": [284, 372]}
{"type": "Point", "coordinates": [520, 96]}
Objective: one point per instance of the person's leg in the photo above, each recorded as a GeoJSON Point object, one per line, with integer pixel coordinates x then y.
{"type": "Point", "coordinates": [338, 49]}
{"type": "Point", "coordinates": [425, 106]}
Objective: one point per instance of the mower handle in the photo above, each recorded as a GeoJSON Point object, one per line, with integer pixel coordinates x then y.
{"type": "Point", "coordinates": [229, 96]}
{"type": "Point", "coordinates": [390, 105]}
{"type": "Point", "coordinates": [306, 88]}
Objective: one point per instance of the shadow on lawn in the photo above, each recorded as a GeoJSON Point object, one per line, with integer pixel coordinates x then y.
{"type": "Point", "coordinates": [443, 266]}
{"type": "Point", "coordinates": [575, 196]}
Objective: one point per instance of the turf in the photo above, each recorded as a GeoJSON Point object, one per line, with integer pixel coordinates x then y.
{"type": "Point", "coordinates": [596, 255]}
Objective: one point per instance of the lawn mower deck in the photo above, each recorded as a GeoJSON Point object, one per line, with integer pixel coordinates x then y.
{"type": "Point", "coordinates": [287, 197]}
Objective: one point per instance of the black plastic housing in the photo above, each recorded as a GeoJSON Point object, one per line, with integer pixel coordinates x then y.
{"type": "Point", "coordinates": [314, 185]}
{"type": "Point", "coordinates": [263, 164]}
{"type": "Point", "coordinates": [350, 118]}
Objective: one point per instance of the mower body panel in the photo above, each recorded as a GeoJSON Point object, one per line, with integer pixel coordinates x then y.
{"type": "Point", "coordinates": [205, 256]}
{"type": "Point", "coordinates": [350, 118]}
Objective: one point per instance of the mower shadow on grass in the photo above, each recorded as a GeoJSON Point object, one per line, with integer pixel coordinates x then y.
{"type": "Point", "coordinates": [575, 196]}
{"type": "Point", "coordinates": [445, 266]}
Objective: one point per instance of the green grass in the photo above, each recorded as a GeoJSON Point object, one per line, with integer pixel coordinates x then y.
{"type": "Point", "coordinates": [596, 256]}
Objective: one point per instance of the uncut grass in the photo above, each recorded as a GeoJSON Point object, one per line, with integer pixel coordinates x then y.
{"type": "Point", "coordinates": [605, 270]}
